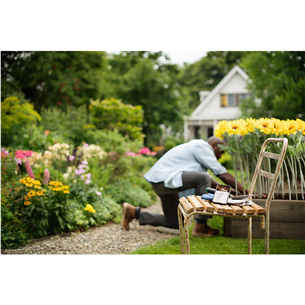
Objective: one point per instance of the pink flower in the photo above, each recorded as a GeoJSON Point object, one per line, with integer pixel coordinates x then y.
{"type": "Point", "coordinates": [29, 169]}
{"type": "Point", "coordinates": [98, 193]}
{"type": "Point", "coordinates": [153, 153]}
{"type": "Point", "coordinates": [87, 181]}
{"type": "Point", "coordinates": [84, 162]}
{"type": "Point", "coordinates": [88, 176]}
{"type": "Point", "coordinates": [130, 153]}
{"type": "Point", "coordinates": [77, 172]}
{"type": "Point", "coordinates": [144, 151]}
{"type": "Point", "coordinates": [71, 158]}
{"type": "Point", "coordinates": [46, 177]}
{"type": "Point", "coordinates": [86, 145]}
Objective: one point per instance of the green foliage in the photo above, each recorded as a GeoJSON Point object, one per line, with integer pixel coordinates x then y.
{"type": "Point", "coordinates": [278, 80]}
{"type": "Point", "coordinates": [111, 114]}
{"type": "Point", "coordinates": [71, 124]}
{"type": "Point", "coordinates": [53, 78]}
{"type": "Point", "coordinates": [16, 114]}
{"type": "Point", "coordinates": [113, 141]}
{"type": "Point", "coordinates": [226, 161]}
{"type": "Point", "coordinates": [140, 78]}
{"type": "Point", "coordinates": [124, 191]}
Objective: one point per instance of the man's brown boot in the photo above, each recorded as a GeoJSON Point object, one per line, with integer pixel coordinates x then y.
{"type": "Point", "coordinates": [129, 213]}
{"type": "Point", "coordinates": [202, 229]}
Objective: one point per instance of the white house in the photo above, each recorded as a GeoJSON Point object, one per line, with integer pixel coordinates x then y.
{"type": "Point", "coordinates": [218, 105]}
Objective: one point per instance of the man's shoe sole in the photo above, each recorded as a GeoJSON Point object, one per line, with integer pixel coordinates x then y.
{"type": "Point", "coordinates": [123, 218]}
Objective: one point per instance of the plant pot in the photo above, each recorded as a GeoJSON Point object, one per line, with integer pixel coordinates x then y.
{"type": "Point", "coordinates": [287, 221]}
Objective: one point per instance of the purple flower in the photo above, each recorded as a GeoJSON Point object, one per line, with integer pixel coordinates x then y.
{"type": "Point", "coordinates": [88, 176]}
{"type": "Point", "coordinates": [77, 172]}
{"type": "Point", "coordinates": [98, 193]}
{"type": "Point", "coordinates": [71, 158]}
{"type": "Point", "coordinates": [84, 162]}
{"type": "Point", "coordinates": [82, 166]}
{"type": "Point", "coordinates": [87, 181]}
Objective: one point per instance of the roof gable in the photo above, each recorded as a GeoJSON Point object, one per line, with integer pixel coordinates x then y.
{"type": "Point", "coordinates": [221, 84]}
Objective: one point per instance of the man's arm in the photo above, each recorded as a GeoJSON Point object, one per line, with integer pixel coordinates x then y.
{"type": "Point", "coordinates": [227, 178]}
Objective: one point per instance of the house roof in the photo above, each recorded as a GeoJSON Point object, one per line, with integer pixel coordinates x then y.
{"type": "Point", "coordinates": [221, 84]}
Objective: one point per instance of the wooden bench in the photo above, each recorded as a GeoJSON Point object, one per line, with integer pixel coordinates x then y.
{"type": "Point", "coordinates": [194, 205]}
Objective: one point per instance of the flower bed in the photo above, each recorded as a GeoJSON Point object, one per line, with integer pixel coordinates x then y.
{"type": "Point", "coordinates": [244, 139]}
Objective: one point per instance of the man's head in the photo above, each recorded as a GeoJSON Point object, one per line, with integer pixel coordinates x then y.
{"type": "Point", "coordinates": [213, 141]}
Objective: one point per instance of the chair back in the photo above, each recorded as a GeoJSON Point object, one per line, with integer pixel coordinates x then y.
{"type": "Point", "coordinates": [274, 176]}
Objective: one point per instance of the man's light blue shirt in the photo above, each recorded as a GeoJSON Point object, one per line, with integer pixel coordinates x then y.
{"type": "Point", "coordinates": [194, 156]}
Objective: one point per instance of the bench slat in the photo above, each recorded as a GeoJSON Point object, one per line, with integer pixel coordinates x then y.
{"type": "Point", "coordinates": [195, 203]}
{"type": "Point", "coordinates": [258, 209]}
{"type": "Point", "coordinates": [218, 207]}
{"type": "Point", "coordinates": [206, 204]}
{"type": "Point", "coordinates": [237, 210]}
{"type": "Point", "coordinates": [228, 209]}
{"type": "Point", "coordinates": [248, 210]}
{"type": "Point", "coordinates": [186, 205]}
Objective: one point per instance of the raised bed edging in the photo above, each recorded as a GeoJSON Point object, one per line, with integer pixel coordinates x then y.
{"type": "Point", "coordinates": [287, 221]}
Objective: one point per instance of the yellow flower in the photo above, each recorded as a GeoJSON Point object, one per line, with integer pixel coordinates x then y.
{"type": "Point", "coordinates": [37, 186]}
{"type": "Point", "coordinates": [291, 127]}
{"type": "Point", "coordinates": [57, 188]}
{"type": "Point", "coordinates": [65, 187]}
{"type": "Point", "coordinates": [29, 180]}
{"type": "Point", "coordinates": [50, 187]}
{"type": "Point", "coordinates": [27, 202]}
{"type": "Point", "coordinates": [29, 184]}
{"type": "Point", "coordinates": [22, 181]}
{"type": "Point", "coordinates": [220, 129]}
{"type": "Point", "coordinates": [26, 197]}
{"type": "Point", "coordinates": [39, 193]}
{"type": "Point", "coordinates": [265, 125]}
{"type": "Point", "coordinates": [52, 182]}
{"type": "Point", "coordinates": [31, 193]}
{"type": "Point", "coordinates": [238, 127]}
{"type": "Point", "coordinates": [66, 192]}
{"type": "Point", "coordinates": [89, 208]}
{"type": "Point", "coordinates": [37, 182]}
{"type": "Point", "coordinates": [301, 125]}
{"type": "Point", "coordinates": [251, 124]}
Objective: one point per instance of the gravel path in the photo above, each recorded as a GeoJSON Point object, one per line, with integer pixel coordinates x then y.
{"type": "Point", "coordinates": [108, 239]}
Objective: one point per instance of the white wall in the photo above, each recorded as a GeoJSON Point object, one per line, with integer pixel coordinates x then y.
{"type": "Point", "coordinates": [213, 110]}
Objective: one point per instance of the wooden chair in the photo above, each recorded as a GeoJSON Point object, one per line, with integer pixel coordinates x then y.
{"type": "Point", "coordinates": [194, 205]}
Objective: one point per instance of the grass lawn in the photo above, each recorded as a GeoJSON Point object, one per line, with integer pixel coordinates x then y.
{"type": "Point", "coordinates": [224, 245]}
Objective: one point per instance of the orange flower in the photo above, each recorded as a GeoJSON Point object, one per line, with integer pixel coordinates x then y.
{"type": "Point", "coordinates": [47, 132]}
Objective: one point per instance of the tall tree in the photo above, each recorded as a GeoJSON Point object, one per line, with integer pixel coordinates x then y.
{"type": "Point", "coordinates": [207, 72]}
{"type": "Point", "coordinates": [278, 79]}
{"type": "Point", "coordinates": [140, 78]}
{"type": "Point", "coordinates": [52, 78]}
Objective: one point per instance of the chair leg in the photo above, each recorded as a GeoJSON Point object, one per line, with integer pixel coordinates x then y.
{"type": "Point", "coordinates": [181, 231]}
{"type": "Point", "coordinates": [186, 232]}
{"type": "Point", "coordinates": [267, 233]}
{"type": "Point", "coordinates": [250, 235]}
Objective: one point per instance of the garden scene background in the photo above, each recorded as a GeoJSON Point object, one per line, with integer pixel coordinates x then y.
{"type": "Point", "coordinates": [80, 129]}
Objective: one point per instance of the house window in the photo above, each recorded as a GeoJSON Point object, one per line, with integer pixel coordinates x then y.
{"type": "Point", "coordinates": [232, 100]}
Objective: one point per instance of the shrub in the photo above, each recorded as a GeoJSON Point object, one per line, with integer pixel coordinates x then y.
{"type": "Point", "coordinates": [16, 114]}
{"type": "Point", "coordinates": [111, 114]}
{"type": "Point", "coordinates": [125, 191]}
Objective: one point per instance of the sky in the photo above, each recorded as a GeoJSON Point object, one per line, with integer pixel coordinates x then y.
{"type": "Point", "coordinates": [179, 57]}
